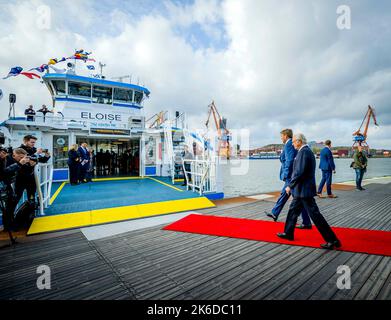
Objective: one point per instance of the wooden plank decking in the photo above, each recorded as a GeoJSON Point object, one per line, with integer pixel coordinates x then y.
{"type": "Point", "coordinates": [156, 264]}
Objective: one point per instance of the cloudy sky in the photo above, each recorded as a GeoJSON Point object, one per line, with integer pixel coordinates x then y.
{"type": "Point", "coordinates": [266, 64]}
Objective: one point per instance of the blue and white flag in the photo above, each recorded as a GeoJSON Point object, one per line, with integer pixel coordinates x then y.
{"type": "Point", "coordinates": [91, 67]}
{"type": "Point", "coordinates": [42, 68]}
{"type": "Point", "coordinates": [15, 71]}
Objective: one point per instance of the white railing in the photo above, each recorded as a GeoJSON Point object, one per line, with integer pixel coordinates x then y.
{"type": "Point", "coordinates": [202, 175]}
{"type": "Point", "coordinates": [170, 150]}
{"type": "Point", "coordinates": [43, 174]}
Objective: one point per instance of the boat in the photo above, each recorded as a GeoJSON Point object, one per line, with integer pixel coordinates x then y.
{"type": "Point", "coordinates": [109, 116]}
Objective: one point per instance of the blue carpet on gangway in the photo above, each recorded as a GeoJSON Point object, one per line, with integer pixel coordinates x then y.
{"type": "Point", "coordinates": [109, 194]}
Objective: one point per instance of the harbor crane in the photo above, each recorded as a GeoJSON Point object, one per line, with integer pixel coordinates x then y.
{"type": "Point", "coordinates": [157, 119]}
{"type": "Point", "coordinates": [360, 138]}
{"type": "Point", "coordinates": [223, 134]}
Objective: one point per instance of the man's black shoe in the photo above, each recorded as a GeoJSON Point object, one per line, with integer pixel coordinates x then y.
{"type": "Point", "coordinates": [331, 245]}
{"type": "Point", "coordinates": [303, 226]}
{"type": "Point", "coordinates": [271, 215]}
{"type": "Point", "coordinates": [284, 236]}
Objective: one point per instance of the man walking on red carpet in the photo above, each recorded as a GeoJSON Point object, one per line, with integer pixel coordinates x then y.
{"type": "Point", "coordinates": [286, 158]}
{"type": "Point", "coordinates": [303, 188]}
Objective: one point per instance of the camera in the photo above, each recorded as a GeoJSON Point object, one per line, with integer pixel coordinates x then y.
{"type": "Point", "coordinates": [33, 158]}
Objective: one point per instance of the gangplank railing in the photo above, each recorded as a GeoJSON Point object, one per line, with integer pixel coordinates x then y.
{"type": "Point", "coordinates": [43, 173]}
{"type": "Point", "coordinates": [201, 177]}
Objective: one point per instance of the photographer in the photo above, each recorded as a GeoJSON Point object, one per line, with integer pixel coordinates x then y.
{"type": "Point", "coordinates": [25, 178]}
{"type": "Point", "coordinates": [10, 166]}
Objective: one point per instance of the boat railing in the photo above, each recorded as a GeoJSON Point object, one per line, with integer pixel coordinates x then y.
{"type": "Point", "coordinates": [43, 173]}
{"type": "Point", "coordinates": [201, 177]}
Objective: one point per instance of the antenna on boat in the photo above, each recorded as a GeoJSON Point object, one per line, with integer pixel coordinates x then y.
{"type": "Point", "coordinates": [120, 79]}
{"type": "Point", "coordinates": [101, 66]}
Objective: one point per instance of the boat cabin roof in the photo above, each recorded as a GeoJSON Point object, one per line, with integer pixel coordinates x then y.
{"type": "Point", "coordinates": [104, 82]}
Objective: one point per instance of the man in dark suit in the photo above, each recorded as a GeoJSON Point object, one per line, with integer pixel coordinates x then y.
{"type": "Point", "coordinates": [25, 179]}
{"type": "Point", "coordinates": [286, 158]}
{"type": "Point", "coordinates": [84, 162]}
{"type": "Point", "coordinates": [303, 189]}
{"type": "Point", "coordinates": [30, 113]}
{"type": "Point", "coordinates": [327, 166]}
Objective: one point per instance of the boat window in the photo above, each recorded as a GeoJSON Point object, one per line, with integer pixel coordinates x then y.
{"type": "Point", "coordinates": [102, 95]}
{"type": "Point", "coordinates": [79, 89]}
{"type": "Point", "coordinates": [138, 97]}
{"type": "Point", "coordinates": [59, 87]}
{"type": "Point", "coordinates": [123, 95]}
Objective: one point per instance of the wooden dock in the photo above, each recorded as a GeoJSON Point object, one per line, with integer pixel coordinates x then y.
{"type": "Point", "coordinates": [155, 264]}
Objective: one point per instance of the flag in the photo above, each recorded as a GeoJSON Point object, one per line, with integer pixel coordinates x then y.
{"type": "Point", "coordinates": [81, 55]}
{"type": "Point", "coordinates": [30, 75]}
{"type": "Point", "coordinates": [15, 71]}
{"type": "Point", "coordinates": [52, 61]}
{"type": "Point", "coordinates": [41, 68]}
{"type": "Point", "coordinates": [91, 67]}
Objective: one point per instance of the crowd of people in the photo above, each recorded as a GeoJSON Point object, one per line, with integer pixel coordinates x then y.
{"type": "Point", "coordinates": [297, 171]}
{"type": "Point", "coordinates": [17, 176]}
{"type": "Point", "coordinates": [84, 164]}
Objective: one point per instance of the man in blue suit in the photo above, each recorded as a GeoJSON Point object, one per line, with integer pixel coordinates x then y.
{"type": "Point", "coordinates": [327, 166]}
{"type": "Point", "coordinates": [303, 188]}
{"type": "Point", "coordinates": [286, 158]}
{"type": "Point", "coordinates": [84, 162]}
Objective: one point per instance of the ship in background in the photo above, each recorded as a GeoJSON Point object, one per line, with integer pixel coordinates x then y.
{"type": "Point", "coordinates": [267, 155]}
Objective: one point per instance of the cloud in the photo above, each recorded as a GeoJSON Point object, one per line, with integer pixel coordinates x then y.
{"type": "Point", "coordinates": [267, 65]}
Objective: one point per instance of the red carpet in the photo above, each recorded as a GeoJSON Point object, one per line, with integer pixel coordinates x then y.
{"type": "Point", "coordinates": [353, 240]}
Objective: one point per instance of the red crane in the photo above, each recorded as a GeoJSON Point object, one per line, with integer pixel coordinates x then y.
{"type": "Point", "coordinates": [360, 138]}
{"type": "Point", "coordinates": [224, 148]}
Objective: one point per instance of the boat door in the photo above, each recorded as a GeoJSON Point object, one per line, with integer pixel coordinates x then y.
{"type": "Point", "coordinates": [151, 154]}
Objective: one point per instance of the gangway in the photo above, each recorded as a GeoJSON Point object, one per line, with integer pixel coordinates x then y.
{"type": "Point", "coordinates": [43, 174]}
{"type": "Point", "coordinates": [202, 177]}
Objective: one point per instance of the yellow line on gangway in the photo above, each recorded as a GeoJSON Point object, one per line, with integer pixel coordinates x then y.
{"type": "Point", "coordinates": [166, 184]}
{"type": "Point", "coordinates": [57, 192]}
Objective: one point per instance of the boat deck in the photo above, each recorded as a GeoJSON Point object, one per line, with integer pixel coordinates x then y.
{"type": "Point", "coordinates": [151, 263]}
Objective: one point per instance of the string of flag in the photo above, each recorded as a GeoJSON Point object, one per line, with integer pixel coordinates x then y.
{"type": "Point", "coordinates": [78, 55]}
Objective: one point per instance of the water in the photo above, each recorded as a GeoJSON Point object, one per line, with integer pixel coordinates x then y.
{"type": "Point", "coordinates": [263, 175]}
